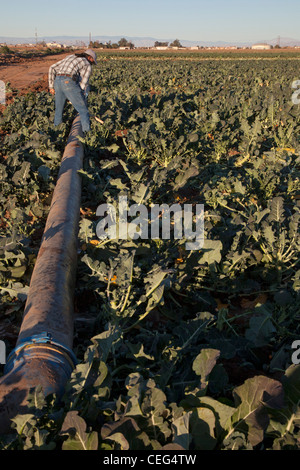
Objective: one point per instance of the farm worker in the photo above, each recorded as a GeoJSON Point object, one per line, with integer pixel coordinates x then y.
{"type": "Point", "coordinates": [68, 80]}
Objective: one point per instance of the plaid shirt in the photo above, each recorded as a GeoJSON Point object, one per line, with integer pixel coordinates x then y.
{"type": "Point", "coordinates": [78, 67]}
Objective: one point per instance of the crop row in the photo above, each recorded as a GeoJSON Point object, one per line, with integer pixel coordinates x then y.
{"type": "Point", "coordinates": [175, 346]}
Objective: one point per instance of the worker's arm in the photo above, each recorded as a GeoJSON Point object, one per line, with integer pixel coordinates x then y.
{"type": "Point", "coordinates": [85, 73]}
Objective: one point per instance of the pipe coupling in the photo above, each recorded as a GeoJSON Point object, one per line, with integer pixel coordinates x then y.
{"type": "Point", "coordinates": [44, 346]}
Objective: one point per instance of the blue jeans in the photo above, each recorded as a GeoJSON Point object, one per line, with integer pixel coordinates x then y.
{"type": "Point", "coordinates": [68, 89]}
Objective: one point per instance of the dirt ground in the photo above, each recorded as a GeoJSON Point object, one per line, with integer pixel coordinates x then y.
{"type": "Point", "coordinates": [29, 75]}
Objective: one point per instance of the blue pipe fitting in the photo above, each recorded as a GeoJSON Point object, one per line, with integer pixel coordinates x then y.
{"type": "Point", "coordinates": [62, 355]}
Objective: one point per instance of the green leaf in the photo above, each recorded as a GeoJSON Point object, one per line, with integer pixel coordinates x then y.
{"type": "Point", "coordinates": [276, 209]}
{"type": "Point", "coordinates": [291, 383]}
{"type": "Point", "coordinates": [180, 428]}
{"type": "Point", "coordinates": [154, 279]}
{"type": "Point", "coordinates": [16, 290]}
{"type": "Point", "coordinates": [239, 188]}
{"type": "Point", "coordinates": [236, 441]}
{"type": "Point", "coordinates": [204, 364]}
{"type": "Point", "coordinates": [211, 252]}
{"type": "Point", "coordinates": [184, 176]}
{"type": "Point", "coordinates": [269, 235]}
{"type": "Point", "coordinates": [40, 440]}
{"type": "Point", "coordinates": [44, 172]}
{"type": "Point", "coordinates": [24, 423]}
{"type": "Point", "coordinates": [79, 377]}
{"type": "Point", "coordinates": [252, 400]}
{"type": "Point", "coordinates": [75, 427]}
{"type": "Point", "coordinates": [156, 298]}
{"type": "Point", "coordinates": [105, 340]}
{"type": "Point", "coordinates": [21, 176]}
{"type": "Point", "coordinates": [116, 432]}
{"type": "Point", "coordinates": [114, 148]}
{"type": "Point", "coordinates": [138, 352]}
{"type": "Point", "coordinates": [36, 398]}
{"type": "Point", "coordinates": [222, 412]}
{"type": "Point", "coordinates": [120, 439]}
{"type": "Point", "coordinates": [261, 328]}
{"type": "Point", "coordinates": [193, 137]}
{"type": "Point", "coordinates": [203, 429]}
{"type": "Point", "coordinates": [86, 230]}
{"type": "Point", "coordinates": [18, 271]}
{"type": "Point", "coordinates": [153, 407]}
{"type": "Point", "coordinates": [117, 182]}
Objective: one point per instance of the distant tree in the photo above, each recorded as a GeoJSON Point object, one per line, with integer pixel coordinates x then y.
{"type": "Point", "coordinates": [95, 44]}
{"type": "Point", "coordinates": [5, 49]}
{"type": "Point", "coordinates": [160, 44]}
{"type": "Point", "coordinates": [176, 43]}
{"type": "Point", "coordinates": [124, 43]}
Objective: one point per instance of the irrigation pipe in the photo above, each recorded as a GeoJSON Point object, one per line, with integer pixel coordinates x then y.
{"type": "Point", "coordinates": [43, 353]}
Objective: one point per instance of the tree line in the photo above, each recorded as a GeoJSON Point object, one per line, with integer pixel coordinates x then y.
{"type": "Point", "coordinates": [125, 43]}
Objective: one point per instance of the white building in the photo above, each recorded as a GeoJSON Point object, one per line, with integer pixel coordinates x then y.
{"type": "Point", "coordinates": [261, 47]}
{"type": "Point", "coordinates": [54, 44]}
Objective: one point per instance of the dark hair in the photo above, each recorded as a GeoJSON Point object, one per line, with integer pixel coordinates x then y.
{"type": "Point", "coordinates": [82, 54]}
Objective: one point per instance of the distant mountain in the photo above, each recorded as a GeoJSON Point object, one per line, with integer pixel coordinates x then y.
{"type": "Point", "coordinates": [143, 41]}
{"type": "Point", "coordinates": [283, 42]}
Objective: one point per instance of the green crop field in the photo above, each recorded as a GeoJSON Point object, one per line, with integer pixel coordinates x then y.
{"type": "Point", "coordinates": [185, 347]}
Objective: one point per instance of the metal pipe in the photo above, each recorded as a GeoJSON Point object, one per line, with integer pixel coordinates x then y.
{"type": "Point", "coordinates": [43, 354]}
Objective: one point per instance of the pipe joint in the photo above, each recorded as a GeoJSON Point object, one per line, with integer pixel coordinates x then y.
{"type": "Point", "coordinates": [42, 344]}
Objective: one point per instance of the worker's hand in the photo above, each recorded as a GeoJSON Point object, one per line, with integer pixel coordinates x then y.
{"type": "Point", "coordinates": [52, 91]}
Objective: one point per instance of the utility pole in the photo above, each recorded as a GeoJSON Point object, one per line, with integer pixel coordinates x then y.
{"type": "Point", "coordinates": [36, 37]}
{"type": "Point", "coordinates": [278, 40]}
{"type": "Point", "coordinates": [90, 39]}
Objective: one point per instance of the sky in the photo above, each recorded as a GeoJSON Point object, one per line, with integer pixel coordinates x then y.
{"type": "Point", "coordinates": [195, 20]}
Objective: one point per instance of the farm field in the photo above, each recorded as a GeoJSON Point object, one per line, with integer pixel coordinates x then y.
{"type": "Point", "coordinates": [176, 347]}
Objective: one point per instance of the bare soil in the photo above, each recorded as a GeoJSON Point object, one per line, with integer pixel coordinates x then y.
{"type": "Point", "coordinates": [30, 72]}
{"type": "Point", "coordinates": [26, 75]}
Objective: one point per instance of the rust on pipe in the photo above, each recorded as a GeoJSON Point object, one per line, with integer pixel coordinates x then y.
{"type": "Point", "coordinates": [43, 354]}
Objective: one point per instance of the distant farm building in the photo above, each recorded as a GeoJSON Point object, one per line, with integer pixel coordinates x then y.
{"type": "Point", "coordinates": [54, 44]}
{"type": "Point", "coordinates": [261, 47]}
